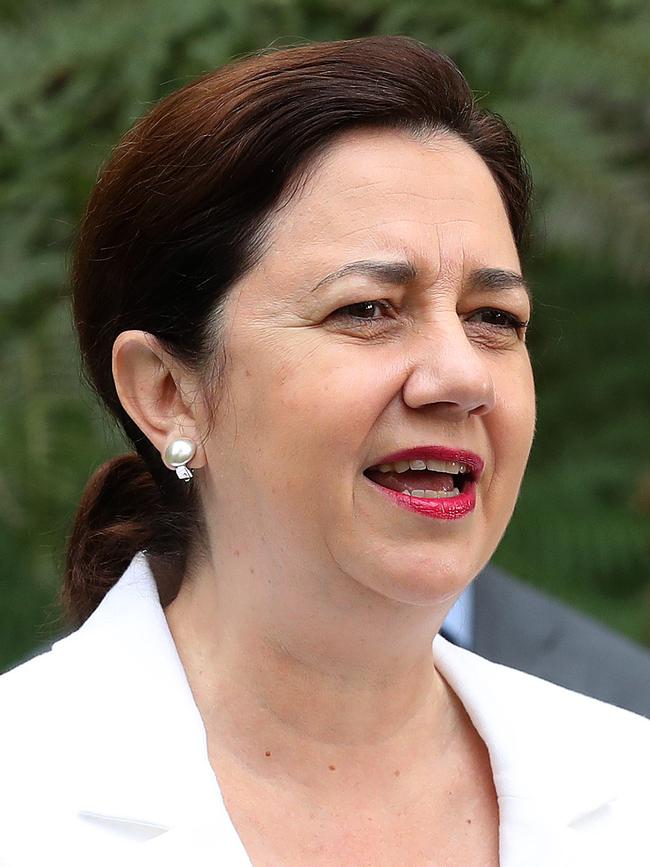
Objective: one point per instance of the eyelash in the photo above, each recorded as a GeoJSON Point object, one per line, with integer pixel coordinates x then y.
{"type": "Point", "coordinates": [513, 321]}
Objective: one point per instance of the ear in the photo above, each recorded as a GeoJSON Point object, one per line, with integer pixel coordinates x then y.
{"type": "Point", "coordinates": [159, 395]}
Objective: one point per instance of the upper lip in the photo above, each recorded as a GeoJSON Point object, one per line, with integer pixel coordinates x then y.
{"type": "Point", "coordinates": [440, 453]}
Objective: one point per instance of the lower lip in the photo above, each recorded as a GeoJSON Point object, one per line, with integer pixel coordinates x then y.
{"type": "Point", "coordinates": [445, 508]}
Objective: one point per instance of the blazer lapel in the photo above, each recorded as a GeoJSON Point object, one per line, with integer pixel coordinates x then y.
{"type": "Point", "coordinates": [145, 773]}
{"type": "Point", "coordinates": [545, 787]}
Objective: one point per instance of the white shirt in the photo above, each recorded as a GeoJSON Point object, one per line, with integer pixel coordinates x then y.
{"type": "Point", "coordinates": [459, 622]}
{"type": "Point", "coordinates": [103, 755]}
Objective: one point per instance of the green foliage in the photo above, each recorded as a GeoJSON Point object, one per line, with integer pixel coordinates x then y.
{"type": "Point", "coordinates": [571, 79]}
{"type": "Point", "coordinates": [581, 525]}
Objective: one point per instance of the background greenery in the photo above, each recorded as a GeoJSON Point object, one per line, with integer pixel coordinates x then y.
{"type": "Point", "coordinates": [570, 77]}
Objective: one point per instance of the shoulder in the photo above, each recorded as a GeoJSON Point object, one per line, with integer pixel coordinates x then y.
{"type": "Point", "coordinates": [562, 709]}
{"type": "Point", "coordinates": [558, 757]}
{"type": "Point", "coordinates": [581, 708]}
{"type": "Point", "coordinates": [37, 698]}
{"type": "Point", "coordinates": [24, 688]}
{"type": "Point", "coordinates": [538, 722]}
{"type": "Point", "coordinates": [43, 746]}
{"type": "Point", "coordinates": [28, 684]}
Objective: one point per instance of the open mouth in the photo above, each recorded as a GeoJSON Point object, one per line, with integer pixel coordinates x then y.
{"type": "Point", "coordinates": [428, 479]}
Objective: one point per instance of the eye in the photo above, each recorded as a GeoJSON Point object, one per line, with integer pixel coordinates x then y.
{"type": "Point", "coordinates": [370, 312]}
{"type": "Point", "coordinates": [363, 311]}
{"type": "Point", "coordinates": [502, 319]}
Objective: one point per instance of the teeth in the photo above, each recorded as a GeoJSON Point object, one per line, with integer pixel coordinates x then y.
{"type": "Point", "coordinates": [434, 495]}
{"type": "Point", "coordinates": [417, 464]}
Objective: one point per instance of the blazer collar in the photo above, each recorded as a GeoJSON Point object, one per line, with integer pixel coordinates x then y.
{"type": "Point", "coordinates": [145, 747]}
{"type": "Point", "coordinates": [546, 749]}
{"type": "Point", "coordinates": [143, 739]}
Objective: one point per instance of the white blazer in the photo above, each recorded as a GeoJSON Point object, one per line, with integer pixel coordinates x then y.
{"type": "Point", "coordinates": [103, 755]}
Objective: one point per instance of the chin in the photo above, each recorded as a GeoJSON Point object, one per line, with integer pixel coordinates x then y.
{"type": "Point", "coordinates": [423, 580]}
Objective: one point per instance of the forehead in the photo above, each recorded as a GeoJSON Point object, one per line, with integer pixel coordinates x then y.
{"type": "Point", "coordinates": [374, 190]}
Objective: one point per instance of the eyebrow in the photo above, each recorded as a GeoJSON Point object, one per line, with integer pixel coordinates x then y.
{"type": "Point", "coordinates": [401, 273]}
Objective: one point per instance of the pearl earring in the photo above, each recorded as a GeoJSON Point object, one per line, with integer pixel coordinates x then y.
{"type": "Point", "coordinates": [178, 453]}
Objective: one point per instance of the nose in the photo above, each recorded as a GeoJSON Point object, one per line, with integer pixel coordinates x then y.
{"type": "Point", "coordinates": [447, 371]}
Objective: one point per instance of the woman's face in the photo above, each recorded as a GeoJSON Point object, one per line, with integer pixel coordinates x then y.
{"type": "Point", "coordinates": [315, 392]}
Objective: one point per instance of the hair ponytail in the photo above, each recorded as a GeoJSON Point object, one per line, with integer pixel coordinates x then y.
{"type": "Point", "coordinates": [122, 511]}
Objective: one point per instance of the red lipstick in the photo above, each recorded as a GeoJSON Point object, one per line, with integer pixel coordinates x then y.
{"type": "Point", "coordinates": [445, 508]}
{"type": "Point", "coordinates": [438, 453]}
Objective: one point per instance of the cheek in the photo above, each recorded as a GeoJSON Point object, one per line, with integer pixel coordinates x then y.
{"type": "Point", "coordinates": [512, 424]}
{"type": "Point", "coordinates": [525, 405]}
{"type": "Point", "coordinates": [335, 393]}
{"type": "Point", "coordinates": [297, 404]}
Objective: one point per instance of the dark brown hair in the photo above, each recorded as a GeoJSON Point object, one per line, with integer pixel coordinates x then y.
{"type": "Point", "coordinates": [180, 212]}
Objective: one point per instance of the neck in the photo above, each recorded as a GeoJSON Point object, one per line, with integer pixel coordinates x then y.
{"type": "Point", "coordinates": [300, 684]}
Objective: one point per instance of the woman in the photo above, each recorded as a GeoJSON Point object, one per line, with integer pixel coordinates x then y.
{"type": "Point", "coordinates": [298, 288]}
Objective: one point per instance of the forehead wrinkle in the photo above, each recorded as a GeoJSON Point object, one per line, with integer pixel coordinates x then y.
{"type": "Point", "coordinates": [321, 181]}
{"type": "Point", "coordinates": [325, 211]}
{"type": "Point", "coordinates": [384, 239]}
{"type": "Point", "coordinates": [380, 237]}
